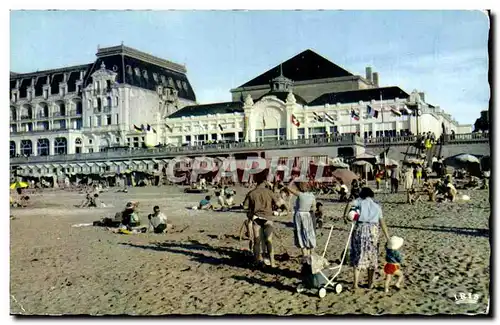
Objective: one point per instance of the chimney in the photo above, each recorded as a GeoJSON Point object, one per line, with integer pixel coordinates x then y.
{"type": "Point", "coordinates": [369, 73]}
{"type": "Point", "coordinates": [422, 96]}
{"type": "Point", "coordinates": [375, 79]}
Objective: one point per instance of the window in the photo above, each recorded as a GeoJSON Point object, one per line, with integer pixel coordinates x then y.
{"type": "Point", "coordinates": [97, 85]}
{"type": "Point", "coordinates": [43, 147]}
{"type": "Point", "coordinates": [317, 132]}
{"type": "Point", "coordinates": [99, 105]}
{"type": "Point", "coordinates": [45, 93]}
{"type": "Point", "coordinates": [116, 101]}
{"type": "Point", "coordinates": [163, 79]}
{"type": "Point", "coordinates": [117, 140]}
{"type": "Point", "coordinates": [117, 120]}
{"type": "Point", "coordinates": [155, 76]}
{"type": "Point", "coordinates": [179, 86]}
{"type": "Point", "coordinates": [90, 121]}
{"type": "Point", "coordinates": [110, 102]}
{"type": "Point", "coordinates": [240, 136]}
{"type": "Point", "coordinates": [334, 129]}
{"type": "Point", "coordinates": [78, 150]}
{"type": "Point", "coordinates": [108, 120]}
{"type": "Point", "coordinates": [98, 121]}
{"type": "Point", "coordinates": [214, 137]}
{"type": "Point", "coordinates": [26, 148]}
{"type": "Point", "coordinates": [91, 150]}
{"type": "Point", "coordinates": [184, 85]}
{"type": "Point", "coordinates": [90, 141]}
{"type": "Point", "coordinates": [129, 69]}
{"type": "Point", "coordinates": [137, 72]}
{"type": "Point", "coordinates": [145, 74]}
{"type": "Point", "coordinates": [136, 142]}
{"type": "Point", "coordinates": [12, 149]}
{"type": "Point", "coordinates": [301, 133]}
{"type": "Point", "coordinates": [108, 85]}
{"type": "Point", "coordinates": [78, 125]}
{"type": "Point", "coordinates": [188, 138]}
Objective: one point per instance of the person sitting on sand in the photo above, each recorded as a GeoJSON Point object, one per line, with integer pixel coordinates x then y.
{"type": "Point", "coordinates": [282, 207]}
{"type": "Point", "coordinates": [220, 200]}
{"type": "Point", "coordinates": [205, 203]}
{"type": "Point", "coordinates": [88, 202]}
{"type": "Point", "coordinates": [342, 191]}
{"type": "Point", "coordinates": [130, 217]}
{"type": "Point", "coordinates": [394, 259]}
{"type": "Point", "coordinates": [451, 192]}
{"type": "Point", "coordinates": [413, 196]}
{"type": "Point", "coordinates": [157, 221]}
{"type": "Point", "coordinates": [229, 196]}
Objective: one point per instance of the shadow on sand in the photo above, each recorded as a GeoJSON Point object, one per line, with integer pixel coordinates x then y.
{"type": "Point", "coordinates": [229, 256]}
{"type": "Point", "coordinates": [459, 231]}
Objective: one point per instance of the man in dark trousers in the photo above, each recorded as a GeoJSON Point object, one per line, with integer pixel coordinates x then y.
{"type": "Point", "coordinates": [260, 211]}
{"type": "Point", "coordinates": [394, 179]}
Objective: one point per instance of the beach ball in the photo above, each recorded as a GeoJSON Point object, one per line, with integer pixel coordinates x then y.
{"type": "Point", "coordinates": [353, 214]}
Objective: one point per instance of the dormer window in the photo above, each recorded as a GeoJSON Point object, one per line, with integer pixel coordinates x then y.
{"type": "Point", "coordinates": [145, 74]}
{"type": "Point", "coordinates": [137, 72]}
{"type": "Point", "coordinates": [184, 85]}
{"type": "Point", "coordinates": [170, 82]}
{"type": "Point", "coordinates": [155, 77]}
{"type": "Point", "coordinates": [179, 84]}
{"type": "Point", "coordinates": [163, 79]}
{"type": "Point", "coordinates": [129, 69]}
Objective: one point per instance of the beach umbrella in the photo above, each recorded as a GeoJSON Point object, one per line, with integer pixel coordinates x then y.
{"type": "Point", "coordinates": [390, 162]}
{"type": "Point", "coordinates": [16, 185]}
{"type": "Point", "coordinates": [344, 175]}
{"type": "Point", "coordinates": [466, 158]}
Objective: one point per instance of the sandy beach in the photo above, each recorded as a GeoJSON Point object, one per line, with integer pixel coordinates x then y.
{"type": "Point", "coordinates": [58, 269]}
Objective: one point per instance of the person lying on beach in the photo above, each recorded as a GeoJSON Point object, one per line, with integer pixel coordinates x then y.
{"type": "Point", "coordinates": [393, 258]}
{"type": "Point", "coordinates": [205, 203]}
{"type": "Point", "coordinates": [157, 221]}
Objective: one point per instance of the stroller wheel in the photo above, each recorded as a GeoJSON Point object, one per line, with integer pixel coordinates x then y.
{"type": "Point", "coordinates": [338, 288]}
{"type": "Point", "coordinates": [322, 292]}
{"type": "Point", "coordinates": [300, 288]}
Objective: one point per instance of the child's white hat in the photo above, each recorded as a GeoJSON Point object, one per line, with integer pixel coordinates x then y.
{"type": "Point", "coordinates": [395, 242]}
{"type": "Point", "coordinates": [465, 197]}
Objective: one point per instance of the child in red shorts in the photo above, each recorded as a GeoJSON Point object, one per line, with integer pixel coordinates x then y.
{"type": "Point", "coordinates": [393, 260]}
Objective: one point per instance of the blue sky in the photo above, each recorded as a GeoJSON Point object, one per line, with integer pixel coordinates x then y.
{"type": "Point", "coordinates": [443, 53]}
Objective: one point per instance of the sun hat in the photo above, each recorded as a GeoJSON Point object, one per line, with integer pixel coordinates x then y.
{"type": "Point", "coordinates": [465, 197]}
{"type": "Point", "coordinates": [395, 242]}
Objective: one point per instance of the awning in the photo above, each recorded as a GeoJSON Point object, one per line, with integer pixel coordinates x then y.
{"type": "Point", "coordinates": [110, 163]}
{"type": "Point", "coordinates": [100, 164]}
{"type": "Point", "coordinates": [64, 165]}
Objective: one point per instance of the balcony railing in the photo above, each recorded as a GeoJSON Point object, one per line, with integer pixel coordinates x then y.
{"type": "Point", "coordinates": [449, 138]}
{"type": "Point", "coordinates": [26, 117]}
{"type": "Point", "coordinates": [59, 114]}
{"type": "Point", "coordinates": [75, 113]}
{"type": "Point", "coordinates": [228, 148]}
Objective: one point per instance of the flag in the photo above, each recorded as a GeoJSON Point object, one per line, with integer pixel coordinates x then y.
{"type": "Point", "coordinates": [295, 121]}
{"type": "Point", "coordinates": [405, 110]}
{"type": "Point", "coordinates": [221, 128]}
{"type": "Point", "coordinates": [395, 110]}
{"type": "Point", "coordinates": [168, 127]}
{"type": "Point", "coordinates": [317, 117]}
{"type": "Point", "coordinates": [148, 128]}
{"type": "Point", "coordinates": [372, 112]}
{"type": "Point", "coordinates": [138, 129]}
{"type": "Point", "coordinates": [354, 115]}
{"type": "Point", "coordinates": [329, 119]}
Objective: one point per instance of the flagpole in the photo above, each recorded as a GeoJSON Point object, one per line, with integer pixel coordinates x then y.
{"type": "Point", "coordinates": [383, 141]}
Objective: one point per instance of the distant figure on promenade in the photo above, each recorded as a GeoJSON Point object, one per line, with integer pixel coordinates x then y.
{"type": "Point", "coordinates": [364, 242]}
{"type": "Point", "coordinates": [260, 211]}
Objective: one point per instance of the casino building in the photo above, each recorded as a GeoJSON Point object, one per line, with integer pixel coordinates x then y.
{"type": "Point", "coordinates": [130, 98]}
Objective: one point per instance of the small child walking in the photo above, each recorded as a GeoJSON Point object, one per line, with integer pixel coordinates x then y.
{"type": "Point", "coordinates": [318, 216]}
{"type": "Point", "coordinates": [393, 260]}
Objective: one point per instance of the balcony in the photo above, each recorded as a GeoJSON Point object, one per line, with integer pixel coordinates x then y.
{"type": "Point", "coordinates": [75, 113]}
{"type": "Point", "coordinates": [26, 117]}
{"type": "Point", "coordinates": [42, 116]}
{"type": "Point", "coordinates": [59, 114]}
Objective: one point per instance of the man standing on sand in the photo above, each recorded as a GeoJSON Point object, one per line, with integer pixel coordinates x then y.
{"type": "Point", "coordinates": [394, 179]}
{"type": "Point", "coordinates": [260, 210]}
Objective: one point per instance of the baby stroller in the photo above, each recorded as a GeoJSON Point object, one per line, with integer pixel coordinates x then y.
{"type": "Point", "coordinates": [315, 270]}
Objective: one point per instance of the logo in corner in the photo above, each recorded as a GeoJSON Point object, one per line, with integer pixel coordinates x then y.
{"type": "Point", "coordinates": [466, 298]}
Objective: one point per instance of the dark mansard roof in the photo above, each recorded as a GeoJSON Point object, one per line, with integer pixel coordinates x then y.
{"type": "Point", "coordinates": [215, 108]}
{"type": "Point", "coordinates": [365, 95]}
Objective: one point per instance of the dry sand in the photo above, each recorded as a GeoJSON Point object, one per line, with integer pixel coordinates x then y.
{"type": "Point", "coordinates": [57, 269]}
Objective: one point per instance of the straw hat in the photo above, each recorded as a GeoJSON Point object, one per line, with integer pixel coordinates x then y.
{"type": "Point", "coordinates": [395, 242]}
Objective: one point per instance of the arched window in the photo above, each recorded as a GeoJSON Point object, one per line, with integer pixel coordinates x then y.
{"type": "Point", "coordinates": [43, 147]}
{"type": "Point", "coordinates": [78, 142]}
{"type": "Point", "coordinates": [99, 105]}
{"type": "Point", "coordinates": [104, 143]}
{"type": "Point", "coordinates": [60, 146]}
{"type": "Point", "coordinates": [12, 149]}
{"type": "Point", "coordinates": [26, 147]}
{"type": "Point", "coordinates": [13, 113]}
{"type": "Point", "coordinates": [26, 112]}
{"type": "Point", "coordinates": [43, 110]}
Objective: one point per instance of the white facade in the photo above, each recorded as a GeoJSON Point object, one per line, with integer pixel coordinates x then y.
{"type": "Point", "coordinates": [271, 118]}
{"type": "Point", "coordinates": [103, 114]}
